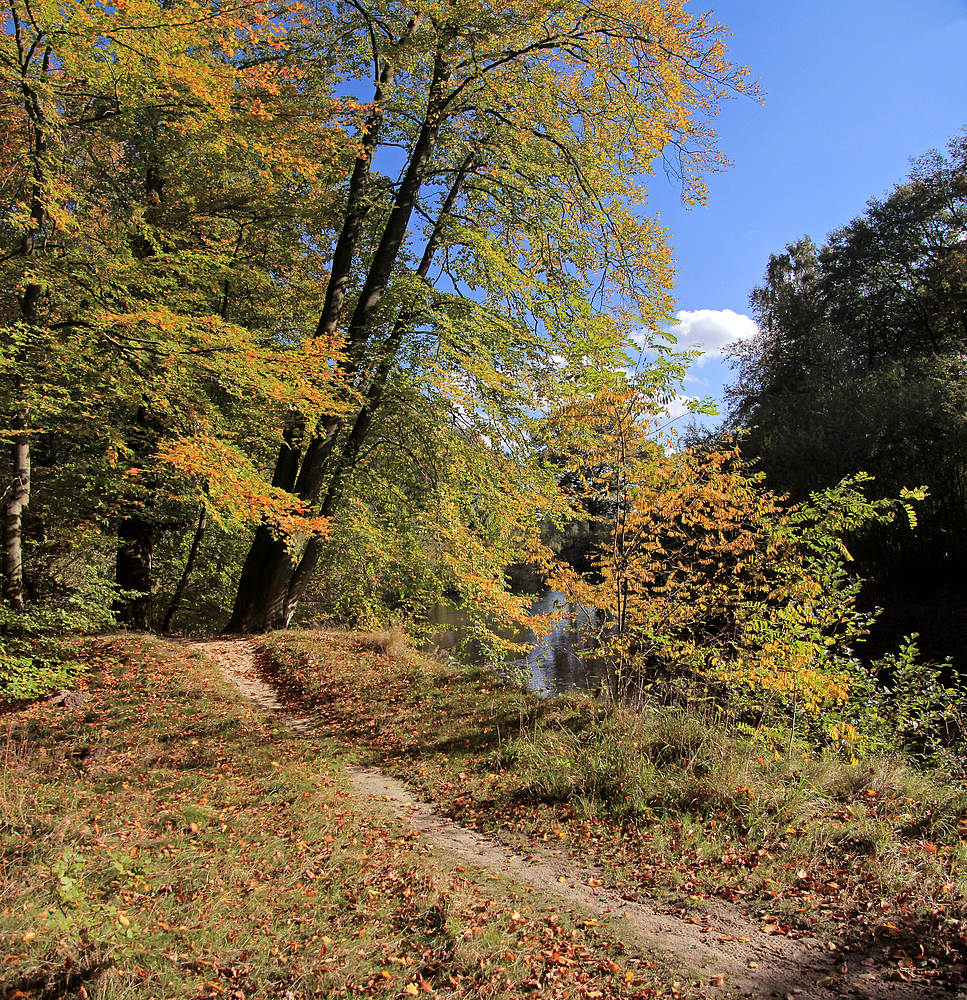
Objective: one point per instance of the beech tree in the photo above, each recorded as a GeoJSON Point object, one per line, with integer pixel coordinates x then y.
{"type": "Point", "coordinates": [157, 200]}
{"type": "Point", "coordinates": [492, 242]}
{"type": "Point", "coordinates": [706, 586]}
{"type": "Point", "coordinates": [256, 255]}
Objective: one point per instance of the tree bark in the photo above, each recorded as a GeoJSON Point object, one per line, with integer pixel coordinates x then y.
{"type": "Point", "coordinates": [136, 534]}
{"type": "Point", "coordinates": [16, 498]}
{"type": "Point", "coordinates": [179, 593]}
{"type": "Point", "coordinates": [264, 599]}
{"type": "Point", "coordinates": [306, 566]}
{"type": "Point", "coordinates": [260, 602]}
{"type": "Point", "coordinates": [133, 571]}
{"type": "Point", "coordinates": [17, 495]}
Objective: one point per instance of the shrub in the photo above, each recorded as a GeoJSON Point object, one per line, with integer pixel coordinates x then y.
{"type": "Point", "coordinates": [35, 653]}
{"type": "Point", "coordinates": [711, 590]}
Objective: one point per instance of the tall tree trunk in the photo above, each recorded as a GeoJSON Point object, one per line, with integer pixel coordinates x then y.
{"type": "Point", "coordinates": [306, 566]}
{"type": "Point", "coordinates": [133, 571]}
{"type": "Point", "coordinates": [17, 494]}
{"type": "Point", "coordinates": [356, 209]}
{"type": "Point", "coordinates": [264, 599]}
{"type": "Point", "coordinates": [304, 569]}
{"type": "Point", "coordinates": [136, 534]}
{"type": "Point", "coordinates": [16, 498]}
{"type": "Point", "coordinates": [260, 602]}
{"type": "Point", "coordinates": [179, 593]}
{"type": "Point", "coordinates": [264, 581]}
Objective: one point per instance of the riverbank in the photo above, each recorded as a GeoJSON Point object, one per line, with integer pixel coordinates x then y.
{"type": "Point", "coordinates": [868, 857]}
{"type": "Point", "coordinates": [165, 837]}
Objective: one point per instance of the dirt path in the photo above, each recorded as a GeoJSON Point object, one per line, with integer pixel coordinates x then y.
{"type": "Point", "coordinates": [717, 944]}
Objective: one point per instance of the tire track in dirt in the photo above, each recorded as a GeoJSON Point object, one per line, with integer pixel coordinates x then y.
{"type": "Point", "coordinates": [721, 942]}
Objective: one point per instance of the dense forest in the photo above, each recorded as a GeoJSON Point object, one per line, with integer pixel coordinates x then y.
{"type": "Point", "coordinates": [858, 366]}
{"type": "Point", "coordinates": [293, 286]}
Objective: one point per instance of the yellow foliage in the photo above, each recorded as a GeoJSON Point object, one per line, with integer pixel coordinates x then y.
{"type": "Point", "coordinates": [698, 576]}
{"type": "Point", "coordinates": [234, 490]}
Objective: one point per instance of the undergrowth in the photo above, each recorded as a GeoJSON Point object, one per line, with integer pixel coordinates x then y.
{"type": "Point", "coordinates": [668, 801]}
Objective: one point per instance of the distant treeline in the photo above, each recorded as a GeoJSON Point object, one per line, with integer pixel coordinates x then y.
{"type": "Point", "coordinates": [859, 365]}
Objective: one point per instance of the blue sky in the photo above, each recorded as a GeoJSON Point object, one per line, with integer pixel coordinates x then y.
{"type": "Point", "coordinates": [854, 89]}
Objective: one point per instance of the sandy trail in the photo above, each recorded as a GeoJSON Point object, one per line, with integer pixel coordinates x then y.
{"type": "Point", "coordinates": [717, 944]}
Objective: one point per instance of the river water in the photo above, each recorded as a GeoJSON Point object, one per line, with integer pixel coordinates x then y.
{"type": "Point", "coordinates": [554, 664]}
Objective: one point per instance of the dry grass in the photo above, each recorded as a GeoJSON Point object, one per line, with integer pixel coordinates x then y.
{"type": "Point", "coordinates": [166, 840]}
{"type": "Point", "coordinates": [391, 641]}
{"type": "Point", "coordinates": [669, 802]}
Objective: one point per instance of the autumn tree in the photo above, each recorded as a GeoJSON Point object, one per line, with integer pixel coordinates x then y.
{"type": "Point", "coordinates": [491, 241]}
{"type": "Point", "coordinates": [707, 586]}
{"type": "Point", "coordinates": [158, 201]}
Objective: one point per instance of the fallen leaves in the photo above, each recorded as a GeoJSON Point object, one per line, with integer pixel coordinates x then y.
{"type": "Point", "coordinates": [221, 850]}
{"type": "Point", "coordinates": [371, 702]}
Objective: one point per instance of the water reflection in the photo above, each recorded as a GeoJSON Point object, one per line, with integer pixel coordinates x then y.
{"type": "Point", "coordinates": [554, 664]}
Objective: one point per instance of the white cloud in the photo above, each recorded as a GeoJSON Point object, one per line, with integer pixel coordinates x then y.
{"type": "Point", "coordinates": [679, 406]}
{"type": "Point", "coordinates": [709, 330]}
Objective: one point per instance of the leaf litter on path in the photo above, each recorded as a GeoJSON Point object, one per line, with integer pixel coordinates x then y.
{"type": "Point", "coordinates": [720, 946]}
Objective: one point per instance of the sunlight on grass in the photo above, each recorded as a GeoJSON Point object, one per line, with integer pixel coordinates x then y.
{"type": "Point", "coordinates": [168, 840]}
{"type": "Point", "coordinates": [666, 801]}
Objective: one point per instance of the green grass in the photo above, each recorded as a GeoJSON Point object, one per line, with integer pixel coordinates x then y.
{"type": "Point", "coordinates": [167, 840]}
{"type": "Point", "coordinates": [668, 802]}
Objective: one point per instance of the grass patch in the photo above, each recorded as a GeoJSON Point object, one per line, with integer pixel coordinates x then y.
{"type": "Point", "coordinates": [166, 840]}
{"type": "Point", "coordinates": [666, 802]}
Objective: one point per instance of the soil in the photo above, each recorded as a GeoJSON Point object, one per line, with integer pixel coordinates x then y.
{"type": "Point", "coordinates": [718, 944]}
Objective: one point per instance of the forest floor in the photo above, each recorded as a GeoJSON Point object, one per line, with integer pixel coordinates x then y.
{"type": "Point", "coordinates": [314, 817]}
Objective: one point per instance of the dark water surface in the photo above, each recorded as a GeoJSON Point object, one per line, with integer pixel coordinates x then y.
{"type": "Point", "coordinates": [553, 665]}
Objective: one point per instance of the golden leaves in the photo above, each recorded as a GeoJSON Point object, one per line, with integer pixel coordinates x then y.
{"type": "Point", "coordinates": [700, 569]}
{"type": "Point", "coordinates": [234, 490]}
